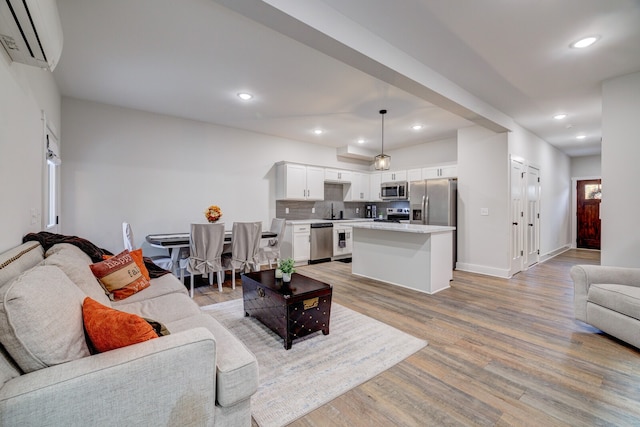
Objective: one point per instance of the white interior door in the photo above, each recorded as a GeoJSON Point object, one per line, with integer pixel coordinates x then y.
{"type": "Point", "coordinates": [517, 217]}
{"type": "Point", "coordinates": [532, 234]}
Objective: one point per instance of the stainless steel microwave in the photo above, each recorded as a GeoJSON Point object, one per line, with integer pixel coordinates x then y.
{"type": "Point", "coordinates": [396, 190]}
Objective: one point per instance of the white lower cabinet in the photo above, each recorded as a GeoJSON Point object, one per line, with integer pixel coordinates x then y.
{"type": "Point", "coordinates": [301, 243]}
{"type": "Point", "coordinates": [296, 243]}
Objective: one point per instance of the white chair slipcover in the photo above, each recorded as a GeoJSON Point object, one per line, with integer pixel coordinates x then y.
{"type": "Point", "coordinates": [205, 250]}
{"type": "Point", "coordinates": [161, 261]}
{"type": "Point", "coordinates": [271, 252]}
{"type": "Point", "coordinates": [245, 245]}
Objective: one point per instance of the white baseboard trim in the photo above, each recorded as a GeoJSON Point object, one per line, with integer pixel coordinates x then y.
{"type": "Point", "coordinates": [483, 269]}
{"type": "Point", "coordinates": [553, 253]}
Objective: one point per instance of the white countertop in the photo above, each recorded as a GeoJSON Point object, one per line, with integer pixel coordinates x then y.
{"type": "Point", "coordinates": [404, 228]}
{"type": "Point", "coordinates": [335, 221]}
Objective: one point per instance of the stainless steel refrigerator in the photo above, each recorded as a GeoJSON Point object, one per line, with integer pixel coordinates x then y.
{"type": "Point", "coordinates": [434, 202]}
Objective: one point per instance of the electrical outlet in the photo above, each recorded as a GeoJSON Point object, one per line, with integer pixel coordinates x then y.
{"type": "Point", "coordinates": [484, 211]}
{"type": "Point", "coordinates": [357, 210]}
{"type": "Point", "coordinates": [313, 210]}
{"type": "Point", "coordinates": [286, 210]}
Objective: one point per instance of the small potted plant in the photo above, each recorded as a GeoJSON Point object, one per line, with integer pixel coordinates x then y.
{"type": "Point", "coordinates": [286, 266]}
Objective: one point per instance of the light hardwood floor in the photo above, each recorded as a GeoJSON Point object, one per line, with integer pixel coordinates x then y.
{"type": "Point", "coordinates": [501, 352]}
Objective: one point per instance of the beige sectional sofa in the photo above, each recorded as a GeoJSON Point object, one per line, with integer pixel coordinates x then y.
{"type": "Point", "coordinates": [609, 299]}
{"type": "Point", "coordinates": [198, 375]}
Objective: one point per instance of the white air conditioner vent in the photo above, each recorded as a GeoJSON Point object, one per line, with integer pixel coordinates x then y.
{"type": "Point", "coordinates": [30, 32]}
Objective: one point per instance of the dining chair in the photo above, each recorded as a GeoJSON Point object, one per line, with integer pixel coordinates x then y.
{"type": "Point", "coordinates": [245, 244]}
{"type": "Point", "coordinates": [205, 250]}
{"type": "Point", "coordinates": [161, 261]}
{"type": "Point", "coordinates": [271, 252]}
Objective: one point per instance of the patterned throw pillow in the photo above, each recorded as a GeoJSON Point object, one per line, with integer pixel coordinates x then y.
{"type": "Point", "coordinates": [109, 329]}
{"type": "Point", "coordinates": [136, 254]}
{"type": "Point", "coordinates": [120, 275]}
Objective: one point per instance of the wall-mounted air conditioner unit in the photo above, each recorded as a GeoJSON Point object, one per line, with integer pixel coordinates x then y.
{"type": "Point", "coordinates": [30, 32]}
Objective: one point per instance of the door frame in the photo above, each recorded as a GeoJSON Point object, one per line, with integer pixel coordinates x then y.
{"type": "Point", "coordinates": [574, 207]}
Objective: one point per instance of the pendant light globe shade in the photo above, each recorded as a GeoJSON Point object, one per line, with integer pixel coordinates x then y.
{"type": "Point", "coordinates": [382, 161]}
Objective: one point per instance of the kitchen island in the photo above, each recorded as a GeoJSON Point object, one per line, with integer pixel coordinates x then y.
{"type": "Point", "coordinates": [409, 255]}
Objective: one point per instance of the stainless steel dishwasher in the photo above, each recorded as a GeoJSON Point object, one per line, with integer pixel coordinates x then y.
{"type": "Point", "coordinates": [321, 242]}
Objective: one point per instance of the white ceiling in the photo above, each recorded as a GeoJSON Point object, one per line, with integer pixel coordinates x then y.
{"type": "Point", "coordinates": [190, 58]}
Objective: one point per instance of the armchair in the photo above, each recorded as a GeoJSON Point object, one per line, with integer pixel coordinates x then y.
{"type": "Point", "coordinates": [609, 299]}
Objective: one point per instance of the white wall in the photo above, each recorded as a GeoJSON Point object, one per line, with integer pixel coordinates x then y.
{"type": "Point", "coordinates": [429, 153]}
{"type": "Point", "coordinates": [24, 93]}
{"type": "Point", "coordinates": [483, 182]}
{"type": "Point", "coordinates": [620, 243]}
{"type": "Point", "coordinates": [483, 168]}
{"type": "Point", "coordinates": [159, 173]}
{"type": "Point", "coordinates": [555, 187]}
{"type": "Point", "coordinates": [586, 166]}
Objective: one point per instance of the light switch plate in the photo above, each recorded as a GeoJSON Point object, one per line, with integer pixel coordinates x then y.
{"type": "Point", "coordinates": [484, 211]}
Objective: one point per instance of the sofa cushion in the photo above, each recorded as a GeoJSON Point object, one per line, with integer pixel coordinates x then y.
{"type": "Point", "coordinates": [69, 250]}
{"type": "Point", "coordinates": [620, 298]}
{"type": "Point", "coordinates": [163, 285]}
{"type": "Point", "coordinates": [120, 276]}
{"type": "Point", "coordinates": [17, 260]}
{"type": "Point", "coordinates": [79, 272]}
{"type": "Point", "coordinates": [163, 308]}
{"type": "Point", "coordinates": [109, 329]}
{"type": "Point", "coordinates": [237, 368]}
{"type": "Point", "coordinates": [41, 319]}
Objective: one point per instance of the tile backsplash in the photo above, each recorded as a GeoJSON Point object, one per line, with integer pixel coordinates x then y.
{"type": "Point", "coordinates": [333, 198]}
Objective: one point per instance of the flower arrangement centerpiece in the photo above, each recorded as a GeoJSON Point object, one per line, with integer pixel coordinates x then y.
{"type": "Point", "coordinates": [213, 213]}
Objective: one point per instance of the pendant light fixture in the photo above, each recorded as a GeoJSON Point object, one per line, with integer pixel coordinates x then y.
{"type": "Point", "coordinates": [382, 161]}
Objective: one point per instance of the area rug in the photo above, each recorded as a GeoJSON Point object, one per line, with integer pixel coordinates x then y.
{"type": "Point", "coordinates": [318, 368]}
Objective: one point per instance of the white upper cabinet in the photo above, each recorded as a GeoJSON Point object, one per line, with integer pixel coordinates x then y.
{"type": "Point", "coordinates": [375, 179]}
{"type": "Point", "coordinates": [359, 190]}
{"type": "Point", "coordinates": [299, 182]}
{"type": "Point", "coordinates": [414, 175]}
{"type": "Point", "coordinates": [394, 176]}
{"type": "Point", "coordinates": [446, 171]}
{"type": "Point", "coordinates": [338, 176]}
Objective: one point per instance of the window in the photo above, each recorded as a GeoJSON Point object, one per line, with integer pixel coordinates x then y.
{"type": "Point", "coordinates": [51, 184]}
{"type": "Point", "coordinates": [592, 191]}
{"type": "Point", "coordinates": [52, 205]}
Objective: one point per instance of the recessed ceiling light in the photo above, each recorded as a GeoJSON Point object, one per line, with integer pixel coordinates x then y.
{"type": "Point", "coordinates": [245, 96]}
{"type": "Point", "coordinates": [560, 116]}
{"type": "Point", "coordinates": [581, 136]}
{"type": "Point", "coordinates": [318, 131]}
{"type": "Point", "coordinates": [361, 141]}
{"type": "Point", "coordinates": [584, 42]}
{"type": "Point", "coordinates": [416, 127]}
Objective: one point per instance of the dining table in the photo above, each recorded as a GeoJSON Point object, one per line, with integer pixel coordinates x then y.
{"type": "Point", "coordinates": [176, 242]}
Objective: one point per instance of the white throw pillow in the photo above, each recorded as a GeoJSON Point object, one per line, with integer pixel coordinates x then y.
{"type": "Point", "coordinates": [41, 319]}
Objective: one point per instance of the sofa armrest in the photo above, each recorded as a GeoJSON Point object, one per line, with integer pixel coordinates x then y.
{"type": "Point", "coordinates": [585, 275]}
{"type": "Point", "coordinates": [165, 381]}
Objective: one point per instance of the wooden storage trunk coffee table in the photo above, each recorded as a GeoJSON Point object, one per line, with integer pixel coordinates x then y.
{"type": "Point", "coordinates": [290, 310]}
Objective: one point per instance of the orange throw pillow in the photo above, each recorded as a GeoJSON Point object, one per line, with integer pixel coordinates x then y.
{"type": "Point", "coordinates": [109, 329]}
{"type": "Point", "coordinates": [138, 258]}
{"type": "Point", "coordinates": [120, 275]}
